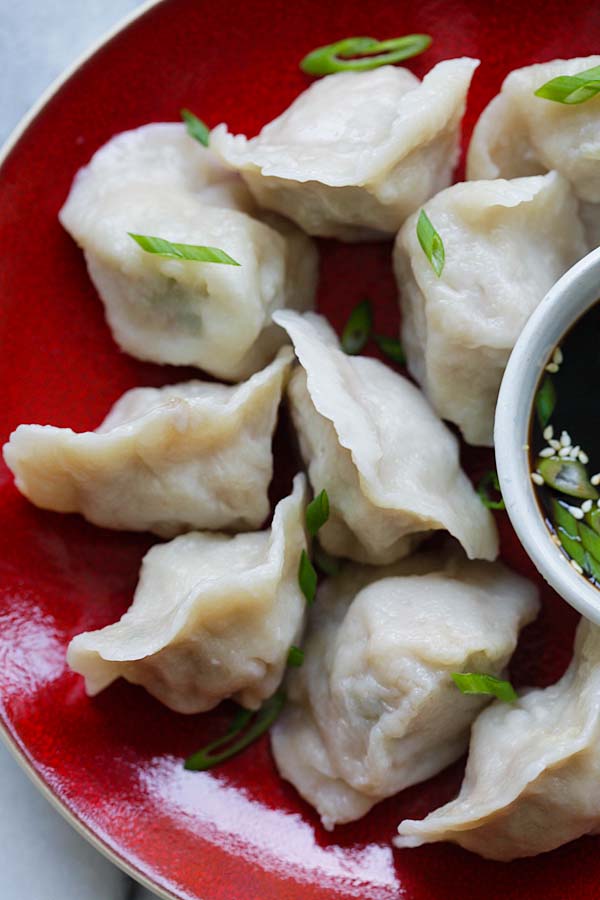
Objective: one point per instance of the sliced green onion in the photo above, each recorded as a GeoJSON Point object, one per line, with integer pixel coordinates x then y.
{"type": "Point", "coordinates": [567, 531]}
{"type": "Point", "coordinates": [307, 578]}
{"type": "Point", "coordinates": [572, 89]}
{"type": "Point", "coordinates": [563, 518]}
{"type": "Point", "coordinates": [579, 540]}
{"type": "Point", "coordinates": [392, 348]}
{"type": "Point", "coordinates": [295, 657]}
{"type": "Point", "coordinates": [592, 567]}
{"type": "Point", "coordinates": [317, 513]}
{"type": "Point", "coordinates": [193, 252]}
{"type": "Point", "coordinates": [196, 128]}
{"type": "Point", "coordinates": [488, 482]}
{"type": "Point", "coordinates": [474, 683]}
{"type": "Point", "coordinates": [248, 724]}
{"type": "Point", "coordinates": [572, 546]}
{"type": "Point", "coordinates": [568, 476]}
{"type": "Point", "coordinates": [338, 57]}
{"type": "Point", "coordinates": [431, 243]}
{"type": "Point", "coordinates": [589, 539]}
{"type": "Point", "coordinates": [357, 330]}
{"type": "Point", "coordinates": [327, 564]}
{"type": "Point", "coordinates": [545, 401]}
{"type": "Point", "coordinates": [593, 519]}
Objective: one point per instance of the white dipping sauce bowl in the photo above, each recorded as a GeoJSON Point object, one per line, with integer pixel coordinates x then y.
{"type": "Point", "coordinates": [569, 299]}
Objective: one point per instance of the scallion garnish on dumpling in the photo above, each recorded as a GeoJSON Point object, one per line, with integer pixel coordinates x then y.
{"type": "Point", "coordinates": [476, 683]}
{"type": "Point", "coordinates": [195, 127]}
{"type": "Point", "coordinates": [572, 89]}
{"type": "Point", "coordinates": [190, 252]}
{"type": "Point", "coordinates": [431, 243]}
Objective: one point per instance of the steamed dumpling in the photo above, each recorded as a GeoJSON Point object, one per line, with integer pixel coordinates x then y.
{"type": "Point", "coordinates": [213, 617]}
{"type": "Point", "coordinates": [191, 455]}
{"type": "Point", "coordinates": [374, 708]}
{"type": "Point", "coordinates": [371, 440]}
{"type": "Point", "coordinates": [357, 152]}
{"type": "Point", "coordinates": [158, 181]}
{"type": "Point", "coordinates": [521, 134]}
{"type": "Point", "coordinates": [533, 776]}
{"type": "Point", "coordinates": [506, 243]}
{"type": "Point", "coordinates": [161, 155]}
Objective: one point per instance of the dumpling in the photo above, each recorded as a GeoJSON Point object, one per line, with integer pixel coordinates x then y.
{"type": "Point", "coordinates": [506, 243]}
{"type": "Point", "coordinates": [371, 440]}
{"type": "Point", "coordinates": [357, 152]}
{"type": "Point", "coordinates": [158, 181]}
{"type": "Point", "coordinates": [213, 617]}
{"type": "Point", "coordinates": [191, 455]}
{"type": "Point", "coordinates": [521, 134]}
{"type": "Point", "coordinates": [374, 708]}
{"type": "Point", "coordinates": [162, 155]}
{"type": "Point", "coordinates": [533, 775]}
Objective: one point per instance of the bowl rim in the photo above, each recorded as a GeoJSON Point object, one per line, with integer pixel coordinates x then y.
{"type": "Point", "coordinates": [572, 296]}
{"type": "Point", "coordinates": [6, 738]}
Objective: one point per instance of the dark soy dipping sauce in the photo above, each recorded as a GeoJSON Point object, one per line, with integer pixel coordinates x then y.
{"type": "Point", "coordinates": [573, 391]}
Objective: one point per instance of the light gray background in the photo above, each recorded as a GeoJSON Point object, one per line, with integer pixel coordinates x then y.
{"type": "Point", "coordinates": [41, 857]}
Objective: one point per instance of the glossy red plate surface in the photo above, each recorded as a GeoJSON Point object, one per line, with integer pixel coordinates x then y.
{"type": "Point", "coordinates": [114, 762]}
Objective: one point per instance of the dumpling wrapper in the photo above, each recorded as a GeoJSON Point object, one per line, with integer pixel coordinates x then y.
{"type": "Point", "coordinates": [506, 243]}
{"type": "Point", "coordinates": [213, 617]}
{"type": "Point", "coordinates": [167, 460]}
{"type": "Point", "coordinates": [162, 155]}
{"type": "Point", "coordinates": [532, 781]}
{"type": "Point", "coordinates": [158, 181]}
{"type": "Point", "coordinates": [357, 152]}
{"type": "Point", "coordinates": [521, 134]}
{"type": "Point", "coordinates": [370, 439]}
{"type": "Point", "coordinates": [374, 708]}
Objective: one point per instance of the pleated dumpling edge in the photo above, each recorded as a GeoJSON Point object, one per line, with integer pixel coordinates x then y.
{"type": "Point", "coordinates": [369, 437]}
{"type": "Point", "coordinates": [213, 616]}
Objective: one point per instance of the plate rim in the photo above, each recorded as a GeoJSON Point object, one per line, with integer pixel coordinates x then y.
{"type": "Point", "coordinates": [18, 749]}
{"type": "Point", "coordinates": [7, 739]}
{"type": "Point", "coordinates": [53, 88]}
{"type": "Point", "coordinates": [84, 830]}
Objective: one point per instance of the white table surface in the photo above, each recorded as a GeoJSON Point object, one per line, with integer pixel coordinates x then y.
{"type": "Point", "coordinates": [41, 856]}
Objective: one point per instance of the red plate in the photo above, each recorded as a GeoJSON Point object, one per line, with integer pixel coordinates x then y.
{"type": "Point", "coordinates": [114, 763]}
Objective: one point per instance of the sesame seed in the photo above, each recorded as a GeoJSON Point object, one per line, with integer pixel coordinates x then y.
{"type": "Point", "coordinates": [556, 540]}
{"type": "Point", "coordinates": [552, 368]}
{"type": "Point", "coordinates": [557, 356]}
{"type": "Point", "coordinates": [546, 452]}
{"type": "Point", "coordinates": [564, 452]}
{"type": "Point", "coordinates": [575, 450]}
{"type": "Point", "coordinates": [554, 444]}
{"type": "Point", "coordinates": [595, 479]}
{"type": "Point", "coordinates": [575, 511]}
{"type": "Point", "coordinates": [565, 439]}
{"type": "Point", "coordinates": [583, 457]}
{"type": "Point", "coordinates": [586, 506]}
{"type": "Point", "coordinates": [537, 478]}
{"type": "Point", "coordinates": [576, 566]}
{"type": "Point", "coordinates": [548, 432]}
